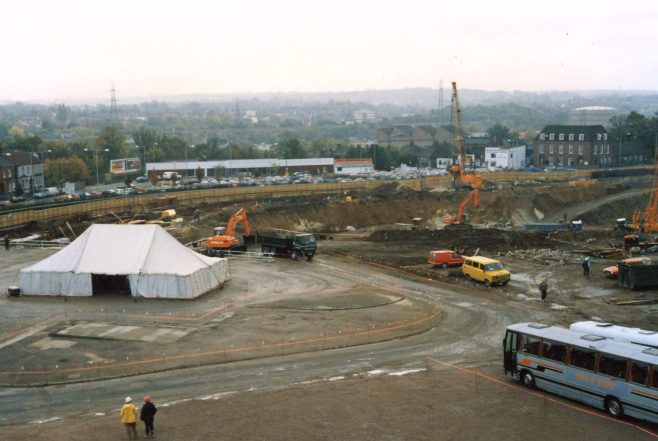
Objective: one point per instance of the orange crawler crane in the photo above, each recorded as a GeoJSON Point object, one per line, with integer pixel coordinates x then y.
{"type": "Point", "coordinates": [223, 242]}
{"type": "Point", "coordinates": [647, 221]}
{"type": "Point", "coordinates": [461, 177]}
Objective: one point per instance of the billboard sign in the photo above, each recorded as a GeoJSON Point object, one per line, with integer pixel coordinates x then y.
{"type": "Point", "coordinates": [125, 165]}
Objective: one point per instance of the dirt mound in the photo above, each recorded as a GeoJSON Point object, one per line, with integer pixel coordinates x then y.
{"type": "Point", "coordinates": [468, 240]}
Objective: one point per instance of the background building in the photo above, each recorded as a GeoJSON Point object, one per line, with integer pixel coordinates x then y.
{"type": "Point", "coordinates": [573, 146]}
{"type": "Point", "coordinates": [592, 115]}
{"type": "Point", "coordinates": [511, 158]}
{"type": "Point", "coordinates": [28, 171]}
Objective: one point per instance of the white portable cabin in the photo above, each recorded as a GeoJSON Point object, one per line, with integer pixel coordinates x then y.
{"type": "Point", "coordinates": [619, 333]}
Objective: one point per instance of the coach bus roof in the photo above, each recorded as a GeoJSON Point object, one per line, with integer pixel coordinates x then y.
{"type": "Point", "coordinates": [598, 343]}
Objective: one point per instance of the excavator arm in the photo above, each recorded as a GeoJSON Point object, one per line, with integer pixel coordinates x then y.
{"type": "Point", "coordinates": [228, 240]}
{"type": "Point", "coordinates": [473, 196]}
{"type": "Point", "coordinates": [240, 215]}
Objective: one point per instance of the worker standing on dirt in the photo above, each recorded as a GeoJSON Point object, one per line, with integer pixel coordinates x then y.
{"type": "Point", "coordinates": [147, 415]}
{"type": "Point", "coordinates": [7, 243]}
{"type": "Point", "coordinates": [197, 215]}
{"type": "Point", "coordinates": [129, 417]}
{"type": "Point", "coordinates": [586, 266]}
{"type": "Point", "coordinates": [543, 288]}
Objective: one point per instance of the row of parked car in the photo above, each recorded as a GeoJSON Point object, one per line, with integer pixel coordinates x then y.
{"type": "Point", "coordinates": [477, 268]}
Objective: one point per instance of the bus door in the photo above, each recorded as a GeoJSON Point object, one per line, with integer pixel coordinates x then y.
{"type": "Point", "coordinates": [509, 351]}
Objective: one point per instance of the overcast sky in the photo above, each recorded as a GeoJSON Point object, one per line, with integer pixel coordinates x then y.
{"type": "Point", "coordinates": [76, 49]}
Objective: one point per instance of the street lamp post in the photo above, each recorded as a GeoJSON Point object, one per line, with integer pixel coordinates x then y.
{"type": "Point", "coordinates": [621, 139]}
{"type": "Point", "coordinates": [187, 171]}
{"type": "Point", "coordinates": [96, 156]}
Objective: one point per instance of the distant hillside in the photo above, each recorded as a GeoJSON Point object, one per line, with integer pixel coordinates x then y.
{"type": "Point", "coordinates": [423, 99]}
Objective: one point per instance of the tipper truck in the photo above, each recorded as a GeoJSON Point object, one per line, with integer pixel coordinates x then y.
{"type": "Point", "coordinates": [284, 243]}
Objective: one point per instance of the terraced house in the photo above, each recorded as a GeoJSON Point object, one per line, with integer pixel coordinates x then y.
{"type": "Point", "coordinates": [573, 146]}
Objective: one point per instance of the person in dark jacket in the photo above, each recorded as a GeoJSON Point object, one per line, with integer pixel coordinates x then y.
{"type": "Point", "coordinates": [543, 289]}
{"type": "Point", "coordinates": [148, 415]}
{"type": "Point", "coordinates": [586, 266]}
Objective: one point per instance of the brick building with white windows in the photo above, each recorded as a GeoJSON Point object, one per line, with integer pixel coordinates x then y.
{"type": "Point", "coordinates": [573, 146]}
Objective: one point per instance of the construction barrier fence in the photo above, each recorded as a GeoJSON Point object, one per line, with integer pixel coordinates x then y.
{"type": "Point", "coordinates": [189, 198]}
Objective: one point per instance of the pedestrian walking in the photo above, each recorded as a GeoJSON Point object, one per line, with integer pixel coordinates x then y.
{"type": "Point", "coordinates": [7, 243]}
{"type": "Point", "coordinates": [543, 289]}
{"type": "Point", "coordinates": [586, 266]}
{"type": "Point", "coordinates": [129, 417]}
{"type": "Point", "coordinates": [148, 414]}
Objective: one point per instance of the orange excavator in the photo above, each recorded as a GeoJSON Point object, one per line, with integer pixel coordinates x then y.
{"type": "Point", "coordinates": [460, 218]}
{"type": "Point", "coordinates": [224, 241]}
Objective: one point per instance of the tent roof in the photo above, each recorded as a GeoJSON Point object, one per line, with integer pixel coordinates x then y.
{"type": "Point", "coordinates": [125, 249]}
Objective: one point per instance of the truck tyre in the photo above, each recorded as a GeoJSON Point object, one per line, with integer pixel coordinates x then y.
{"type": "Point", "coordinates": [293, 255]}
{"type": "Point", "coordinates": [487, 283]}
{"type": "Point", "coordinates": [309, 257]}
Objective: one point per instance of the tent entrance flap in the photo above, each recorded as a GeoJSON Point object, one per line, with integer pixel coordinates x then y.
{"type": "Point", "coordinates": [108, 285]}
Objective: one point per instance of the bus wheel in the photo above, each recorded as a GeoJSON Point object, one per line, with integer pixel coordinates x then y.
{"type": "Point", "coordinates": [444, 265]}
{"type": "Point", "coordinates": [614, 408]}
{"type": "Point", "coordinates": [527, 379]}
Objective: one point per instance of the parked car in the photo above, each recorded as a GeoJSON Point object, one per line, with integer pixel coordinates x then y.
{"type": "Point", "coordinates": [17, 198]}
{"type": "Point", "coordinates": [445, 258]}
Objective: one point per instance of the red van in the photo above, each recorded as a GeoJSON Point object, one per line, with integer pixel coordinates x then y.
{"type": "Point", "coordinates": [445, 258]}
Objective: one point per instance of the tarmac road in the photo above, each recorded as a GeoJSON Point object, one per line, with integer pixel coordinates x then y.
{"type": "Point", "coordinates": [469, 334]}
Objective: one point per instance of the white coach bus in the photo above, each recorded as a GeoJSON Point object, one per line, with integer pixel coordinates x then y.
{"type": "Point", "coordinates": [620, 377]}
{"type": "Point", "coordinates": [621, 333]}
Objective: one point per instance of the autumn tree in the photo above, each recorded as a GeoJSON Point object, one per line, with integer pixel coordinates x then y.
{"type": "Point", "coordinates": [69, 169]}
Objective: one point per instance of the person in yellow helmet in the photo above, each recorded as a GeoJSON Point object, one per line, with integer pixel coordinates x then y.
{"type": "Point", "coordinates": [128, 415]}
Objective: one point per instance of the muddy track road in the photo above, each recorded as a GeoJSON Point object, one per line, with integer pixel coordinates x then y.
{"type": "Point", "coordinates": [469, 334]}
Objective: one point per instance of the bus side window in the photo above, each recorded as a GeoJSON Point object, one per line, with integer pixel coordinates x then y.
{"type": "Point", "coordinates": [583, 358]}
{"type": "Point", "coordinates": [653, 379]}
{"type": "Point", "coordinates": [554, 350]}
{"type": "Point", "coordinates": [530, 344]}
{"type": "Point", "coordinates": [612, 365]}
{"type": "Point", "coordinates": [639, 372]}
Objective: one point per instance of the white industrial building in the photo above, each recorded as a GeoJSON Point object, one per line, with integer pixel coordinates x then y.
{"type": "Point", "coordinates": [511, 158]}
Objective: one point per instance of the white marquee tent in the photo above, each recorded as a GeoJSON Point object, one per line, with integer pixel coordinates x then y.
{"type": "Point", "coordinates": [144, 259]}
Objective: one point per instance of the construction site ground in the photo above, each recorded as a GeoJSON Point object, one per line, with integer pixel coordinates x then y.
{"type": "Point", "coordinates": [365, 342]}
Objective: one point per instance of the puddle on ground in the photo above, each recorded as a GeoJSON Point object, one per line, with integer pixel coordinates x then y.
{"type": "Point", "coordinates": [590, 292]}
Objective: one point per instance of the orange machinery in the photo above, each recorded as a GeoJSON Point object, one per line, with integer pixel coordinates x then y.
{"type": "Point", "coordinates": [459, 219]}
{"type": "Point", "coordinates": [225, 241]}
{"type": "Point", "coordinates": [648, 220]}
{"type": "Point", "coordinates": [460, 175]}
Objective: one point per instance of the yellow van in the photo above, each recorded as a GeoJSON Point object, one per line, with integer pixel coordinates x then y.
{"type": "Point", "coordinates": [485, 270]}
